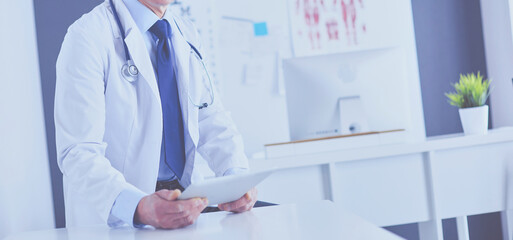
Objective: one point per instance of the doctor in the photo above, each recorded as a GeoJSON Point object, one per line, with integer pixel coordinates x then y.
{"type": "Point", "coordinates": [133, 107]}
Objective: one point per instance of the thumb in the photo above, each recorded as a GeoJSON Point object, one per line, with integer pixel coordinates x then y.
{"type": "Point", "coordinates": [169, 195]}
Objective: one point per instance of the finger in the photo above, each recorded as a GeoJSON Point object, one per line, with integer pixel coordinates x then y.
{"type": "Point", "coordinates": [172, 223]}
{"type": "Point", "coordinates": [169, 195]}
{"type": "Point", "coordinates": [178, 220]}
{"type": "Point", "coordinates": [236, 204]}
{"type": "Point", "coordinates": [251, 198]}
{"type": "Point", "coordinates": [248, 196]}
{"type": "Point", "coordinates": [193, 211]}
{"type": "Point", "coordinates": [252, 194]}
{"type": "Point", "coordinates": [242, 209]}
{"type": "Point", "coordinates": [184, 221]}
{"type": "Point", "coordinates": [225, 206]}
{"type": "Point", "coordinates": [178, 206]}
{"type": "Point", "coordinates": [197, 205]}
{"type": "Point", "coordinates": [244, 200]}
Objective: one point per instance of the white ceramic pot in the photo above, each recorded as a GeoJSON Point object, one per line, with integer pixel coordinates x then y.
{"type": "Point", "coordinates": [474, 120]}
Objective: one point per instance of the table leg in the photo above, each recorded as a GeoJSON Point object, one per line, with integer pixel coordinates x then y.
{"type": "Point", "coordinates": [507, 224]}
{"type": "Point", "coordinates": [462, 226]}
{"type": "Point", "coordinates": [331, 182]}
{"type": "Point", "coordinates": [431, 230]}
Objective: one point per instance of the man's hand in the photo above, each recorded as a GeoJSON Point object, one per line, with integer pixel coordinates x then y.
{"type": "Point", "coordinates": [243, 204]}
{"type": "Point", "coordinates": [163, 210]}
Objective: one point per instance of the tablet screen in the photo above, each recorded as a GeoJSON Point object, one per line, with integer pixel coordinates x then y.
{"type": "Point", "coordinates": [224, 189]}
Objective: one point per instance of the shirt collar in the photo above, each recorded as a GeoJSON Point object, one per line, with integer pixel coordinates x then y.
{"type": "Point", "coordinates": [144, 18]}
{"type": "Point", "coordinates": [169, 15]}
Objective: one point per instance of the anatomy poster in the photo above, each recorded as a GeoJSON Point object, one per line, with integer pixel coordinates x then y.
{"type": "Point", "coordinates": [332, 26]}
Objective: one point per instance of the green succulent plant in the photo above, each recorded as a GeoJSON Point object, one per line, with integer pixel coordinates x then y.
{"type": "Point", "coordinates": [471, 91]}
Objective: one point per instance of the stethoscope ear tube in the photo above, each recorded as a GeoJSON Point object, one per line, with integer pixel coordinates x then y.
{"type": "Point", "coordinates": [130, 72]}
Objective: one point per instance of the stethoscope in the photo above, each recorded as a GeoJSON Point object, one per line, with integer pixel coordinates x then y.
{"type": "Point", "coordinates": [131, 73]}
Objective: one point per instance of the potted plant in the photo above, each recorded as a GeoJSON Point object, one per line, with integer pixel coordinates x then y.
{"type": "Point", "coordinates": [470, 96]}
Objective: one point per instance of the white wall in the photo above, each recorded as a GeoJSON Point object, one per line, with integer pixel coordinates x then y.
{"type": "Point", "coordinates": [498, 38]}
{"type": "Point", "coordinates": [25, 191]}
{"type": "Point", "coordinates": [259, 111]}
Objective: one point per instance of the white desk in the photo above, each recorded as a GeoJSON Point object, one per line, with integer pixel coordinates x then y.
{"type": "Point", "coordinates": [444, 177]}
{"type": "Point", "coordinates": [319, 220]}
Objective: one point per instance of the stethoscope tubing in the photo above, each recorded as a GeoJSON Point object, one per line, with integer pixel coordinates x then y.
{"type": "Point", "coordinates": [130, 71]}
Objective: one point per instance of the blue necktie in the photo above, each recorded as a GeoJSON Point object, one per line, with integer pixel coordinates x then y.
{"type": "Point", "coordinates": [173, 139]}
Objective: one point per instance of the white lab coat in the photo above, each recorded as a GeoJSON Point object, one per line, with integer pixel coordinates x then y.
{"type": "Point", "coordinates": [109, 131]}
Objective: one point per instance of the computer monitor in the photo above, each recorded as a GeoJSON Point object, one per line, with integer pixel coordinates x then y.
{"type": "Point", "coordinates": [315, 85]}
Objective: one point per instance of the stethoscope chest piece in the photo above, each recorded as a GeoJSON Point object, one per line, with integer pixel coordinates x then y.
{"type": "Point", "coordinates": [130, 71]}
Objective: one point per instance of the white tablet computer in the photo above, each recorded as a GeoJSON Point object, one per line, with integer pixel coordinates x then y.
{"type": "Point", "coordinates": [224, 189]}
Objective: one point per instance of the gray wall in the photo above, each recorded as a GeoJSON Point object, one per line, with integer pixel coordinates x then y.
{"type": "Point", "coordinates": [449, 42]}
{"type": "Point", "coordinates": [52, 20]}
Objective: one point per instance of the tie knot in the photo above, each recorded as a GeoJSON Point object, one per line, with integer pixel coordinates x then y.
{"type": "Point", "coordinates": [161, 29]}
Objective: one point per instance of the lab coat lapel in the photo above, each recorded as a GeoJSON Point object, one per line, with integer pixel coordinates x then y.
{"type": "Point", "coordinates": [137, 48]}
{"type": "Point", "coordinates": [182, 54]}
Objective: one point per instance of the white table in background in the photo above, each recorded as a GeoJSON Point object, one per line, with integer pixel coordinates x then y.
{"type": "Point", "coordinates": [453, 176]}
{"type": "Point", "coordinates": [318, 220]}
